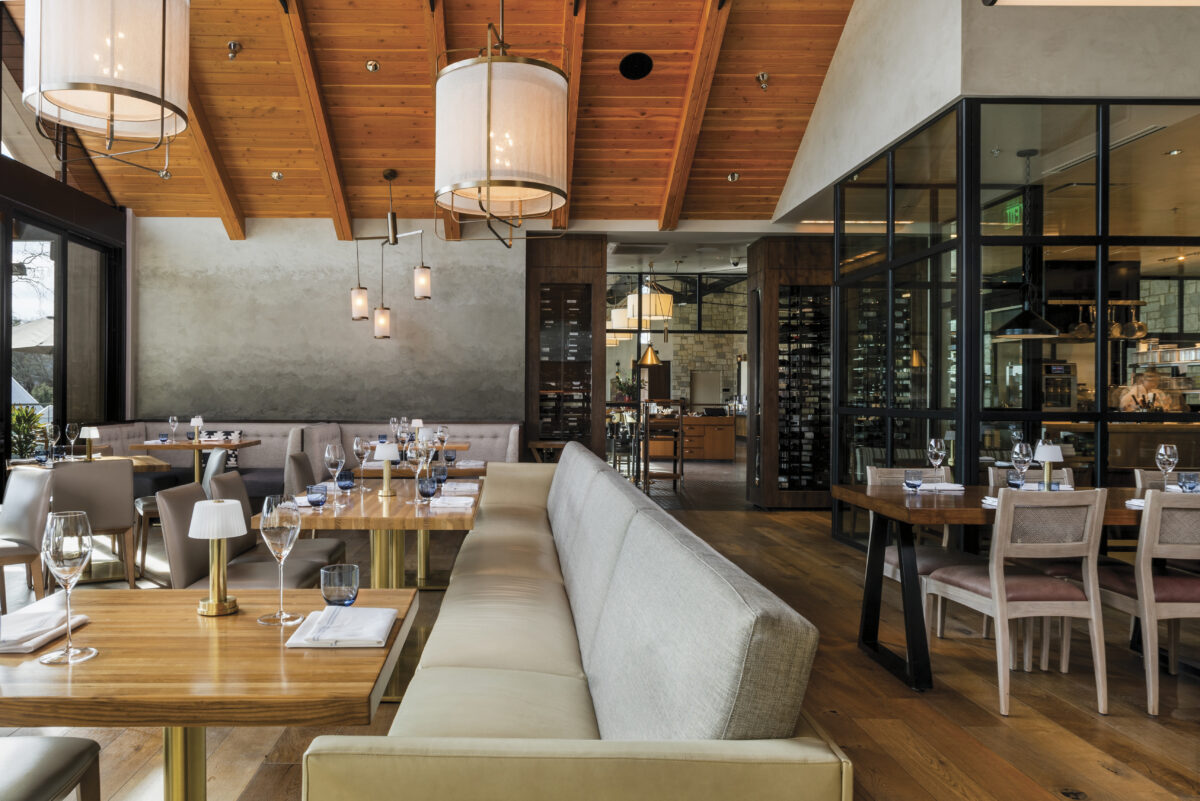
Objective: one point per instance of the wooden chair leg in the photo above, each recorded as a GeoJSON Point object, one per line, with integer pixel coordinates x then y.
{"type": "Point", "coordinates": [1004, 657]}
{"type": "Point", "coordinates": [1064, 645]}
{"type": "Point", "coordinates": [1047, 626]}
{"type": "Point", "coordinates": [986, 627]}
{"type": "Point", "coordinates": [942, 606]}
{"type": "Point", "coordinates": [29, 575]}
{"type": "Point", "coordinates": [89, 785]}
{"type": "Point", "coordinates": [1096, 632]}
{"type": "Point", "coordinates": [35, 572]}
{"type": "Point", "coordinates": [1012, 640]}
{"type": "Point", "coordinates": [3, 593]}
{"type": "Point", "coordinates": [1027, 660]}
{"type": "Point", "coordinates": [1150, 662]}
{"type": "Point", "coordinates": [1173, 646]}
{"type": "Point", "coordinates": [930, 602]}
{"type": "Point", "coordinates": [143, 542]}
{"type": "Point", "coordinates": [128, 556]}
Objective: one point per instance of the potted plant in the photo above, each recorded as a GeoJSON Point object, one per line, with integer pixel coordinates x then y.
{"type": "Point", "coordinates": [26, 431]}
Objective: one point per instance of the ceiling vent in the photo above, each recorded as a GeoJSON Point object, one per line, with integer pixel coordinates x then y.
{"type": "Point", "coordinates": [636, 248]}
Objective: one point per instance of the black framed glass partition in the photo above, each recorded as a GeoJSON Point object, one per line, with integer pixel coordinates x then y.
{"type": "Point", "coordinates": [1080, 212]}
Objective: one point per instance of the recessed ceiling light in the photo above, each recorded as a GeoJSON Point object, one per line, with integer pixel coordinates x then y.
{"type": "Point", "coordinates": [372, 66]}
{"type": "Point", "coordinates": [733, 177]}
{"type": "Point", "coordinates": [636, 66]}
{"type": "Point", "coordinates": [1174, 152]}
{"type": "Point", "coordinates": [276, 175]}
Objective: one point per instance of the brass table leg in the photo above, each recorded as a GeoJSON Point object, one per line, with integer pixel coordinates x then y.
{"type": "Point", "coordinates": [184, 776]}
{"type": "Point", "coordinates": [397, 553]}
{"type": "Point", "coordinates": [381, 562]}
{"type": "Point", "coordinates": [422, 557]}
{"type": "Point", "coordinates": [196, 465]}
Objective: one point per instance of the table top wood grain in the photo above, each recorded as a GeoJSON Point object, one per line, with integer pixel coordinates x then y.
{"type": "Point", "coordinates": [404, 471]}
{"type": "Point", "coordinates": [161, 664]}
{"type": "Point", "coordinates": [192, 445]}
{"type": "Point", "coordinates": [142, 463]}
{"type": "Point", "coordinates": [960, 508]}
{"type": "Point", "coordinates": [364, 511]}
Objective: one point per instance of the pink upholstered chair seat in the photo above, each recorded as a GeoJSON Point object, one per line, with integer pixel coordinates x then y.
{"type": "Point", "coordinates": [1020, 583]}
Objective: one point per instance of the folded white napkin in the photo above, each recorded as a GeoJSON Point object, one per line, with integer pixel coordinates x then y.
{"type": "Point", "coordinates": [1135, 503]}
{"type": "Point", "coordinates": [941, 486]}
{"type": "Point", "coordinates": [344, 627]}
{"type": "Point", "coordinates": [990, 502]}
{"type": "Point", "coordinates": [302, 501]}
{"type": "Point", "coordinates": [460, 488]}
{"type": "Point", "coordinates": [1174, 488]}
{"type": "Point", "coordinates": [469, 463]}
{"type": "Point", "coordinates": [28, 629]}
{"type": "Point", "coordinates": [154, 442]}
{"type": "Point", "coordinates": [452, 502]}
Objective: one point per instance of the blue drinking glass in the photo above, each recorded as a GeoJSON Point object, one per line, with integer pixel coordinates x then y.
{"type": "Point", "coordinates": [345, 480]}
{"type": "Point", "coordinates": [316, 496]}
{"type": "Point", "coordinates": [427, 487]}
{"type": "Point", "coordinates": [383, 437]}
{"type": "Point", "coordinates": [191, 435]}
{"type": "Point", "coordinates": [1016, 479]}
{"type": "Point", "coordinates": [339, 584]}
{"type": "Point", "coordinates": [912, 480]}
{"type": "Point", "coordinates": [451, 457]}
{"type": "Point", "coordinates": [40, 455]}
{"type": "Point", "coordinates": [162, 438]}
{"type": "Point", "coordinates": [1189, 482]}
{"type": "Point", "coordinates": [439, 473]}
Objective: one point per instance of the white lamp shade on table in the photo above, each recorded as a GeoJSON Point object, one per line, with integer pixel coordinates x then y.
{"type": "Point", "coordinates": [417, 422]}
{"type": "Point", "coordinates": [114, 67]}
{"type": "Point", "coordinates": [1047, 452]}
{"type": "Point", "coordinates": [197, 422]}
{"type": "Point", "coordinates": [89, 432]}
{"type": "Point", "coordinates": [217, 520]}
{"type": "Point", "coordinates": [387, 452]}
{"type": "Point", "coordinates": [525, 148]}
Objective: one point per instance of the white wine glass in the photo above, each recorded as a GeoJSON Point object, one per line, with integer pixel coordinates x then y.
{"type": "Point", "coordinates": [1166, 458]}
{"type": "Point", "coordinates": [394, 425]}
{"type": "Point", "coordinates": [413, 455]}
{"type": "Point", "coordinates": [1022, 457]}
{"type": "Point", "coordinates": [72, 435]}
{"type": "Point", "coordinates": [66, 551]}
{"type": "Point", "coordinates": [936, 452]}
{"type": "Point", "coordinates": [361, 451]}
{"type": "Point", "coordinates": [279, 526]}
{"type": "Point", "coordinates": [54, 434]}
{"type": "Point", "coordinates": [173, 423]}
{"type": "Point", "coordinates": [335, 460]}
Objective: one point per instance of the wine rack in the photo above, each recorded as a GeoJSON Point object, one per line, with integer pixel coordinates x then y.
{"type": "Point", "coordinates": [805, 387]}
{"type": "Point", "coordinates": [565, 356]}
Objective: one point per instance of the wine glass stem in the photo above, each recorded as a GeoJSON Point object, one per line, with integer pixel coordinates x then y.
{"type": "Point", "coordinates": [67, 592]}
{"type": "Point", "coordinates": [281, 591]}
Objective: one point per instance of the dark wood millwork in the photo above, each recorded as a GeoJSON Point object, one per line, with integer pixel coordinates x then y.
{"type": "Point", "coordinates": [566, 270]}
{"type": "Point", "coordinates": [781, 264]}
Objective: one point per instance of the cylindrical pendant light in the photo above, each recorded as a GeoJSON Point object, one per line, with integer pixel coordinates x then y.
{"type": "Point", "coordinates": [610, 341]}
{"type": "Point", "coordinates": [359, 304]}
{"type": "Point", "coordinates": [383, 315]}
{"type": "Point", "coordinates": [620, 321]}
{"type": "Point", "coordinates": [422, 282]}
{"type": "Point", "coordinates": [116, 68]}
{"type": "Point", "coordinates": [501, 135]}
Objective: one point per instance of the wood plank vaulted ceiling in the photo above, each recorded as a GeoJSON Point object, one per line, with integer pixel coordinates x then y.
{"type": "Point", "coordinates": [299, 99]}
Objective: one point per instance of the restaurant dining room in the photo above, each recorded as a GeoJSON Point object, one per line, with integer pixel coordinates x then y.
{"type": "Point", "coordinates": [795, 400]}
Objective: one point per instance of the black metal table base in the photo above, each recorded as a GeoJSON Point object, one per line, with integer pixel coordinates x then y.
{"type": "Point", "coordinates": [913, 668]}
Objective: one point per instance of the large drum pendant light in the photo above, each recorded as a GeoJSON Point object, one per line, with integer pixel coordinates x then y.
{"type": "Point", "coordinates": [115, 68]}
{"type": "Point", "coordinates": [656, 303]}
{"type": "Point", "coordinates": [501, 135]}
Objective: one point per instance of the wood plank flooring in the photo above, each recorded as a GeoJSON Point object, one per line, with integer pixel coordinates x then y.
{"type": "Point", "coordinates": [948, 743]}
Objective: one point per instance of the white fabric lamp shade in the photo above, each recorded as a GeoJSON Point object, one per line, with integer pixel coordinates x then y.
{"type": "Point", "coordinates": [83, 59]}
{"type": "Point", "coordinates": [383, 322]}
{"type": "Point", "coordinates": [197, 422]}
{"type": "Point", "coordinates": [1048, 453]}
{"type": "Point", "coordinates": [89, 432]}
{"type": "Point", "coordinates": [387, 452]}
{"type": "Point", "coordinates": [217, 520]}
{"type": "Point", "coordinates": [417, 422]}
{"type": "Point", "coordinates": [526, 146]}
{"type": "Point", "coordinates": [620, 321]}
{"type": "Point", "coordinates": [655, 306]}
{"type": "Point", "coordinates": [359, 307]}
{"type": "Point", "coordinates": [611, 341]}
{"type": "Point", "coordinates": [422, 283]}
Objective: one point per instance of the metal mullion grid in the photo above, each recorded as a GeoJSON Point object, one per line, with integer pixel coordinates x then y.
{"type": "Point", "coordinates": [6, 222]}
{"type": "Point", "coordinates": [837, 363]}
{"type": "Point", "coordinates": [970, 313]}
{"type": "Point", "coordinates": [890, 306]}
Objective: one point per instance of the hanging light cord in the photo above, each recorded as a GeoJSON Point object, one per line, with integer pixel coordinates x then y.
{"type": "Point", "coordinates": [357, 262]}
{"type": "Point", "coordinates": [382, 245]}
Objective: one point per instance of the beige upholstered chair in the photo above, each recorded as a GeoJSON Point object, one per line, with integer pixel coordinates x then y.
{"type": "Point", "coordinates": [1031, 526]}
{"type": "Point", "coordinates": [326, 550]}
{"type": "Point", "coordinates": [1153, 479]}
{"type": "Point", "coordinates": [49, 768]}
{"type": "Point", "coordinates": [1170, 530]}
{"type": "Point", "coordinates": [105, 491]}
{"type": "Point", "coordinates": [998, 476]}
{"type": "Point", "coordinates": [22, 522]}
{"type": "Point", "coordinates": [147, 506]}
{"type": "Point", "coordinates": [187, 558]}
{"type": "Point", "coordinates": [297, 474]}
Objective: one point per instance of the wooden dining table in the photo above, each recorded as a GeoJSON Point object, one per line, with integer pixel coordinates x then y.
{"type": "Point", "coordinates": [388, 520]}
{"type": "Point", "coordinates": [196, 447]}
{"type": "Point", "coordinates": [926, 509]}
{"type": "Point", "coordinates": [142, 463]}
{"type": "Point", "coordinates": [160, 664]}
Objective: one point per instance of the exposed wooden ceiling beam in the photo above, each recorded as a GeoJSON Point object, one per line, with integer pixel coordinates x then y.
{"type": "Point", "coordinates": [216, 177]}
{"type": "Point", "coordinates": [435, 35]}
{"type": "Point", "coordinates": [574, 16]}
{"type": "Point", "coordinates": [704, 64]}
{"type": "Point", "coordinates": [305, 67]}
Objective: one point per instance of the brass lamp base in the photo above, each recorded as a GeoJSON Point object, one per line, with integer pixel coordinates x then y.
{"type": "Point", "coordinates": [212, 607]}
{"type": "Point", "coordinates": [386, 490]}
{"type": "Point", "coordinates": [1048, 471]}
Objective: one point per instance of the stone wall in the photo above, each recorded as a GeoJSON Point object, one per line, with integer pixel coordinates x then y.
{"type": "Point", "coordinates": [705, 352]}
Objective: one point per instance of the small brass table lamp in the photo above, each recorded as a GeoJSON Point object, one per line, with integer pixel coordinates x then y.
{"type": "Point", "coordinates": [387, 452]}
{"type": "Point", "coordinates": [217, 521]}
{"type": "Point", "coordinates": [1047, 453]}
{"type": "Point", "coordinates": [87, 434]}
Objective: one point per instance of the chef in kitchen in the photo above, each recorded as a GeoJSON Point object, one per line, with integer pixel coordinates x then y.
{"type": "Point", "coordinates": [1144, 394]}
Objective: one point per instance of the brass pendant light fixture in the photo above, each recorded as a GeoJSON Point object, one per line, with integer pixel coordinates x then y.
{"type": "Point", "coordinates": [649, 357]}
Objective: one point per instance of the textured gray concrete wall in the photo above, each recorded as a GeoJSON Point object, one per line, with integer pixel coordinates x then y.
{"type": "Point", "coordinates": [261, 329]}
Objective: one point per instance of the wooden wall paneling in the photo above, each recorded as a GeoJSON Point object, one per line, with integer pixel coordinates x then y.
{"type": "Point", "coordinates": [216, 177]}
{"type": "Point", "coordinates": [574, 17]}
{"type": "Point", "coordinates": [704, 65]}
{"type": "Point", "coordinates": [308, 81]}
{"type": "Point", "coordinates": [571, 259]}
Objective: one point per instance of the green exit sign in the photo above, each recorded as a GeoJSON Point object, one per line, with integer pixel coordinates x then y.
{"type": "Point", "coordinates": [1012, 212]}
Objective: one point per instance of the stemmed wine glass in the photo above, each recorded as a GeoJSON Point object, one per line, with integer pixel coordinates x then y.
{"type": "Point", "coordinates": [936, 451]}
{"type": "Point", "coordinates": [280, 525]}
{"type": "Point", "coordinates": [66, 550]}
{"type": "Point", "coordinates": [1022, 457]}
{"type": "Point", "coordinates": [72, 435]}
{"type": "Point", "coordinates": [173, 422]}
{"type": "Point", "coordinates": [442, 434]}
{"type": "Point", "coordinates": [415, 456]}
{"type": "Point", "coordinates": [394, 425]}
{"type": "Point", "coordinates": [335, 460]}
{"type": "Point", "coordinates": [361, 451]}
{"type": "Point", "coordinates": [1166, 458]}
{"type": "Point", "coordinates": [53, 433]}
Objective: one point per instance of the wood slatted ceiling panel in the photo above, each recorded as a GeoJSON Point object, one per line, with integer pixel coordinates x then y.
{"type": "Point", "coordinates": [627, 129]}
{"type": "Point", "coordinates": [752, 132]}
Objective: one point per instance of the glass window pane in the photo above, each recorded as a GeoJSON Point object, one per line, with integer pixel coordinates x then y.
{"type": "Point", "coordinates": [86, 336]}
{"type": "Point", "coordinates": [864, 217]}
{"type": "Point", "coordinates": [1078, 440]}
{"type": "Point", "coordinates": [925, 334]}
{"type": "Point", "coordinates": [684, 295]}
{"type": "Point", "coordinates": [1153, 168]}
{"type": "Point", "coordinates": [1056, 374]}
{"type": "Point", "coordinates": [1133, 446]}
{"type": "Point", "coordinates": [926, 169]}
{"type": "Point", "coordinates": [1038, 169]}
{"type": "Point", "coordinates": [619, 357]}
{"type": "Point", "coordinates": [910, 441]}
{"type": "Point", "coordinates": [724, 301]}
{"type": "Point", "coordinates": [865, 330]}
{"type": "Point", "coordinates": [35, 255]}
{"type": "Point", "coordinates": [620, 287]}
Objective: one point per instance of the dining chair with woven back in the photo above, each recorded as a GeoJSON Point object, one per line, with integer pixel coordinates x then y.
{"type": "Point", "coordinates": [22, 522]}
{"type": "Point", "coordinates": [105, 491]}
{"type": "Point", "coordinates": [998, 477]}
{"type": "Point", "coordinates": [147, 506]}
{"type": "Point", "coordinates": [1035, 526]}
{"type": "Point", "coordinates": [231, 487]}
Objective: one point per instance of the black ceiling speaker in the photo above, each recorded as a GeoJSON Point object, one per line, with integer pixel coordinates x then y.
{"type": "Point", "coordinates": [636, 66]}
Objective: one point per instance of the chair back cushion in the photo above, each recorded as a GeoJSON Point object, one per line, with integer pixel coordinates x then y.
{"type": "Point", "coordinates": [1047, 525]}
{"type": "Point", "coordinates": [102, 489]}
{"type": "Point", "coordinates": [1170, 526]}
{"type": "Point", "coordinates": [689, 647]}
{"type": "Point", "coordinates": [517, 484]}
{"type": "Point", "coordinates": [187, 558]}
{"type": "Point", "coordinates": [26, 504]}
{"type": "Point", "coordinates": [297, 475]}
{"type": "Point", "coordinates": [577, 466]}
{"type": "Point", "coordinates": [231, 487]}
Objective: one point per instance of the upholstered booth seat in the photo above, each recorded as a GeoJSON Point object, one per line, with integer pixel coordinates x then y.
{"type": "Point", "coordinates": [589, 645]}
